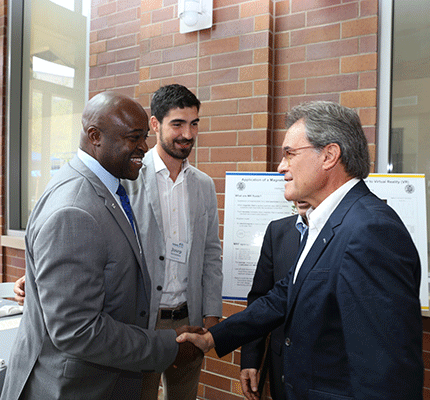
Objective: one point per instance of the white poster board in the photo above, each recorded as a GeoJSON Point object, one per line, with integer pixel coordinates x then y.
{"type": "Point", "coordinates": [253, 199]}
{"type": "Point", "coordinates": [406, 194]}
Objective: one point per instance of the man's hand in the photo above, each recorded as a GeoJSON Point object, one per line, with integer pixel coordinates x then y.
{"type": "Point", "coordinates": [249, 378]}
{"type": "Point", "coordinates": [187, 351]}
{"type": "Point", "coordinates": [19, 290]}
{"type": "Point", "coordinates": [204, 341]}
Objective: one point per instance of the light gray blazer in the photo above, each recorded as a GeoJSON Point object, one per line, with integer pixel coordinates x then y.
{"type": "Point", "coordinates": [204, 262]}
{"type": "Point", "coordinates": [87, 291]}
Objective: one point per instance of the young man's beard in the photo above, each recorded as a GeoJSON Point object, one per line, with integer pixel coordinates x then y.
{"type": "Point", "coordinates": [174, 152]}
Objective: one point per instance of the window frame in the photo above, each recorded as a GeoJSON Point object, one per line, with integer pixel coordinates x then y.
{"type": "Point", "coordinates": [17, 102]}
{"type": "Point", "coordinates": [385, 50]}
{"type": "Point", "coordinates": [14, 114]}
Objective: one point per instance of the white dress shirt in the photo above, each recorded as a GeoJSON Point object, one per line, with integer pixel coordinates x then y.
{"type": "Point", "coordinates": [174, 206]}
{"type": "Point", "coordinates": [317, 218]}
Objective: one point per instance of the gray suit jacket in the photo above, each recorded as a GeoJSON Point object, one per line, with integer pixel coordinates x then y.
{"type": "Point", "coordinates": [87, 290]}
{"type": "Point", "coordinates": [204, 261]}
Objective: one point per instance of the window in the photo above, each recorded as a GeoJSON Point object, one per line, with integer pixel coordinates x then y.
{"type": "Point", "coordinates": [48, 88]}
{"type": "Point", "coordinates": [410, 105]}
{"type": "Point", "coordinates": [404, 89]}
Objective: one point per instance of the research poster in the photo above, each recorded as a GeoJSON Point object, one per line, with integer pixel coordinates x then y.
{"type": "Point", "coordinates": [253, 199]}
{"type": "Point", "coordinates": [406, 194]}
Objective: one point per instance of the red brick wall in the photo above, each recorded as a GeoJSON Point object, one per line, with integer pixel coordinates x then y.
{"type": "Point", "coordinates": [13, 263]}
{"type": "Point", "coordinates": [114, 46]}
{"type": "Point", "coordinates": [326, 50]}
{"type": "Point", "coordinates": [259, 59]}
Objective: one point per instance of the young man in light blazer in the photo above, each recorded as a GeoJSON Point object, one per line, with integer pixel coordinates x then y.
{"type": "Point", "coordinates": [176, 211]}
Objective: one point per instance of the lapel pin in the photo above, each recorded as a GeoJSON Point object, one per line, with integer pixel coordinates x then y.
{"type": "Point", "coordinates": [325, 241]}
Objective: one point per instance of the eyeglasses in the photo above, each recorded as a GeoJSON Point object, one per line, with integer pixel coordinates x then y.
{"type": "Point", "coordinates": [288, 153]}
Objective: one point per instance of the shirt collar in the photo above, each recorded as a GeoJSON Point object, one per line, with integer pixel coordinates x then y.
{"type": "Point", "coordinates": [106, 177]}
{"type": "Point", "coordinates": [161, 167]}
{"type": "Point", "coordinates": [317, 217]}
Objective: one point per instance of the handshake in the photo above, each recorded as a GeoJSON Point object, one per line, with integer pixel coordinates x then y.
{"type": "Point", "coordinates": [193, 342]}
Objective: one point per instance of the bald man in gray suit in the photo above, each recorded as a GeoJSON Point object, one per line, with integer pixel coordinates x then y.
{"type": "Point", "coordinates": [83, 333]}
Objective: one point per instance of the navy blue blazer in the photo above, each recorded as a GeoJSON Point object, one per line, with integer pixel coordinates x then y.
{"type": "Point", "coordinates": [353, 327]}
{"type": "Point", "coordinates": [277, 256]}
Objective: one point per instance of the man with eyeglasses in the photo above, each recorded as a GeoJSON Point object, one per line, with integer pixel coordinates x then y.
{"type": "Point", "coordinates": [350, 305]}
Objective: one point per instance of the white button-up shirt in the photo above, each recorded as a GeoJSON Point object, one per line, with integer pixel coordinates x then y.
{"type": "Point", "coordinates": [174, 206]}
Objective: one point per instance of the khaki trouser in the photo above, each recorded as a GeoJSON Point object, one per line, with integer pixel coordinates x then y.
{"type": "Point", "coordinates": [178, 383]}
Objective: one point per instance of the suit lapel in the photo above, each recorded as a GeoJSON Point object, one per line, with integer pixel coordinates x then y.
{"type": "Point", "coordinates": [111, 204]}
{"type": "Point", "coordinates": [151, 188]}
{"type": "Point", "coordinates": [309, 262]}
{"type": "Point", "coordinates": [133, 238]}
{"type": "Point", "coordinates": [322, 241]}
{"type": "Point", "coordinates": [193, 201]}
{"type": "Point", "coordinates": [115, 209]}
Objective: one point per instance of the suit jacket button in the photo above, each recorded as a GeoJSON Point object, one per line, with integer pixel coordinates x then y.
{"type": "Point", "coordinates": [287, 342]}
{"type": "Point", "coordinates": [159, 287]}
{"type": "Point", "coordinates": [142, 313]}
{"type": "Point", "coordinates": [161, 258]}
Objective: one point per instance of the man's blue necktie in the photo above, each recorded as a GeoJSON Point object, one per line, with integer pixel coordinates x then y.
{"type": "Point", "coordinates": [302, 228]}
{"type": "Point", "coordinates": [125, 204]}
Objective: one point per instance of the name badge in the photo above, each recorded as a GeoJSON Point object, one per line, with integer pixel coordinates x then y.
{"type": "Point", "coordinates": [176, 251]}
